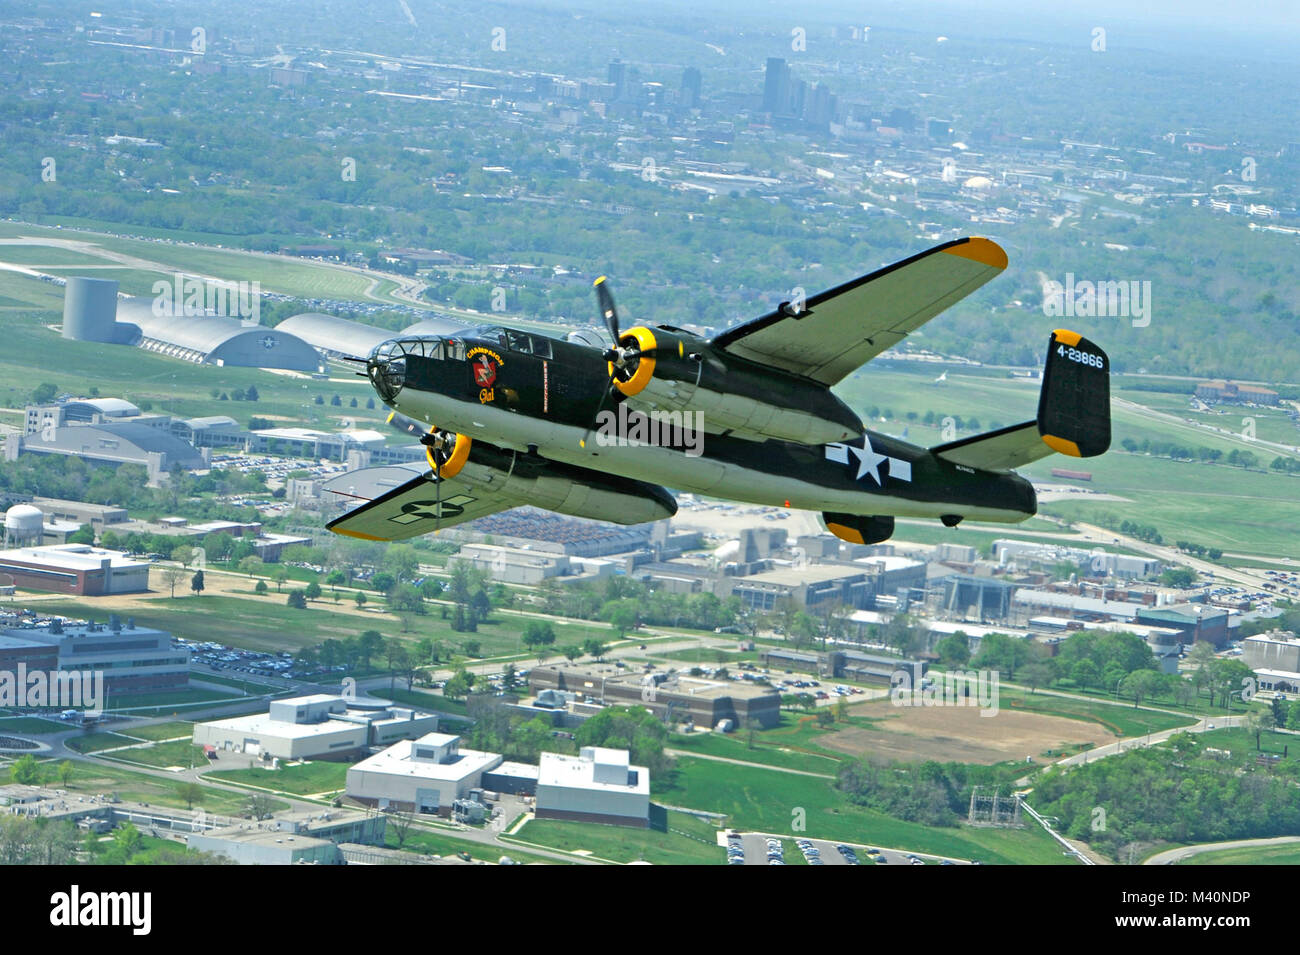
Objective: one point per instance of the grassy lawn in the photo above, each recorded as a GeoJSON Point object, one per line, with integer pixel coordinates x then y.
{"type": "Point", "coordinates": [127, 784]}
{"type": "Point", "coordinates": [682, 840]}
{"type": "Point", "coordinates": [770, 749]}
{"type": "Point", "coordinates": [427, 842]}
{"type": "Point", "coordinates": [1288, 854]}
{"type": "Point", "coordinates": [768, 801]}
{"type": "Point", "coordinates": [33, 725]}
{"type": "Point", "coordinates": [300, 780]}
{"type": "Point", "coordinates": [427, 700]}
{"type": "Point", "coordinates": [160, 730]}
{"type": "Point", "coordinates": [136, 701]}
{"type": "Point", "coordinates": [1120, 718]}
{"type": "Point", "coordinates": [179, 752]}
{"type": "Point", "coordinates": [94, 742]}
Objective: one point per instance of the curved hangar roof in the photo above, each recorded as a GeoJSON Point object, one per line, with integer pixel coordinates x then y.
{"type": "Point", "coordinates": [216, 339]}
{"type": "Point", "coordinates": [334, 335]}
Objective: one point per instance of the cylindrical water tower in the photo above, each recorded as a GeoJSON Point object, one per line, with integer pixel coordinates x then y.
{"type": "Point", "coordinates": [90, 309]}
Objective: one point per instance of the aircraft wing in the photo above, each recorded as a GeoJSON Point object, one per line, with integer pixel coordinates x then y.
{"type": "Point", "coordinates": [843, 328]}
{"type": "Point", "coordinates": [397, 503]}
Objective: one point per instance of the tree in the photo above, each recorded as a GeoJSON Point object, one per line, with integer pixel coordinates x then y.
{"type": "Point", "coordinates": [371, 644]}
{"type": "Point", "coordinates": [1034, 675]}
{"type": "Point", "coordinates": [280, 575]}
{"type": "Point", "coordinates": [312, 591]}
{"type": "Point", "coordinates": [471, 647]}
{"type": "Point", "coordinates": [509, 679]}
{"type": "Point", "coordinates": [538, 636]}
{"type": "Point", "coordinates": [85, 534]}
{"type": "Point", "coordinates": [954, 649]}
{"type": "Point", "coordinates": [190, 793]}
{"type": "Point", "coordinates": [572, 651]}
{"type": "Point", "coordinates": [172, 576]}
{"type": "Point", "coordinates": [1141, 684]}
{"type": "Point", "coordinates": [594, 648]}
{"type": "Point", "coordinates": [398, 658]}
{"type": "Point", "coordinates": [459, 685]}
{"type": "Point", "coordinates": [1260, 721]}
{"type": "Point", "coordinates": [623, 617]}
{"type": "Point", "coordinates": [44, 393]}
{"type": "Point", "coordinates": [260, 805]}
{"type": "Point", "coordinates": [26, 771]}
{"type": "Point", "coordinates": [359, 598]}
{"type": "Point", "coordinates": [1085, 673]}
{"type": "Point", "coordinates": [65, 773]}
{"type": "Point", "coordinates": [127, 839]}
{"type": "Point", "coordinates": [250, 565]}
{"type": "Point", "coordinates": [297, 600]}
{"type": "Point", "coordinates": [261, 589]}
{"type": "Point", "coordinates": [196, 582]}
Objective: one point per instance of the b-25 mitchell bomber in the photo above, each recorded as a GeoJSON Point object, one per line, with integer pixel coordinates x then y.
{"type": "Point", "coordinates": [599, 430]}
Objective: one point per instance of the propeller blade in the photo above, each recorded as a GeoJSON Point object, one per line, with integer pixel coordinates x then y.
{"type": "Point", "coordinates": [608, 311]}
{"type": "Point", "coordinates": [609, 389]}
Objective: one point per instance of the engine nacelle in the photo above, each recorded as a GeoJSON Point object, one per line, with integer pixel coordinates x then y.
{"type": "Point", "coordinates": [677, 371]}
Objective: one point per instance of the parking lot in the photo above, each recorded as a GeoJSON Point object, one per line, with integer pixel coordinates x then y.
{"type": "Point", "coordinates": [763, 849]}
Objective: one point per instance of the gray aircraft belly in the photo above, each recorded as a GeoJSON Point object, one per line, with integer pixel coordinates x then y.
{"type": "Point", "coordinates": [669, 467]}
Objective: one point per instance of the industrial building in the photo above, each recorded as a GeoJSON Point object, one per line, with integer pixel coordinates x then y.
{"type": "Point", "coordinates": [512, 565]}
{"type": "Point", "coordinates": [321, 726]}
{"type": "Point", "coordinates": [1275, 658]}
{"type": "Point", "coordinates": [598, 785]}
{"type": "Point", "coordinates": [293, 838]}
{"type": "Point", "coordinates": [133, 659]}
{"type": "Point", "coordinates": [116, 442]}
{"type": "Point", "coordinates": [677, 696]}
{"type": "Point", "coordinates": [80, 569]}
{"type": "Point", "coordinates": [422, 775]}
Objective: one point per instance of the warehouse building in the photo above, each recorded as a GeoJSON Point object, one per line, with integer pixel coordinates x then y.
{"type": "Point", "coordinates": [294, 838]}
{"type": "Point", "coordinates": [598, 785]}
{"type": "Point", "coordinates": [321, 726]}
{"type": "Point", "coordinates": [422, 775]}
{"type": "Point", "coordinates": [80, 569]}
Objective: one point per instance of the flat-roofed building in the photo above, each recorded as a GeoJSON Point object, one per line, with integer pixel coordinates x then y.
{"type": "Point", "coordinates": [421, 775]}
{"type": "Point", "coordinates": [1275, 658]}
{"type": "Point", "coordinates": [597, 785]}
{"type": "Point", "coordinates": [80, 569]}
{"type": "Point", "coordinates": [321, 726]}
{"type": "Point", "coordinates": [133, 659]}
{"type": "Point", "coordinates": [707, 702]}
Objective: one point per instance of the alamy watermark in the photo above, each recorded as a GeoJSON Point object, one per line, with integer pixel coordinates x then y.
{"type": "Point", "coordinates": [957, 688]}
{"type": "Point", "coordinates": [190, 296]}
{"type": "Point", "coordinates": [1106, 299]}
{"type": "Point", "coordinates": [620, 428]}
{"type": "Point", "coordinates": [57, 689]}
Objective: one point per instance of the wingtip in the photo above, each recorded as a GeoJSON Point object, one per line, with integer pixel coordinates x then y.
{"type": "Point", "coordinates": [977, 249]}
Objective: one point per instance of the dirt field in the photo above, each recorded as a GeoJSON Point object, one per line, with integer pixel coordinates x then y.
{"type": "Point", "coordinates": [959, 734]}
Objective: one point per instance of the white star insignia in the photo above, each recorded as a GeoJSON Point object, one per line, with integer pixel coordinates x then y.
{"type": "Point", "coordinates": [869, 460]}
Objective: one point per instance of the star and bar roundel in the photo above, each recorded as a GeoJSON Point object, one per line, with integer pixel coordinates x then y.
{"type": "Point", "coordinates": [864, 460]}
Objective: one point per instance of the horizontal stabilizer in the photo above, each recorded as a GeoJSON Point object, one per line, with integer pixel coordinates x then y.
{"type": "Point", "coordinates": [1003, 450]}
{"type": "Point", "coordinates": [1073, 413]}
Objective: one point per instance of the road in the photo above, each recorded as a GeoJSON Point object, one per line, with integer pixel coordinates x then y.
{"type": "Point", "coordinates": [1174, 856]}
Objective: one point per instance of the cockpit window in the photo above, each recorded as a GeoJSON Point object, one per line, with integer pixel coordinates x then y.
{"type": "Point", "coordinates": [520, 342]}
{"type": "Point", "coordinates": [455, 349]}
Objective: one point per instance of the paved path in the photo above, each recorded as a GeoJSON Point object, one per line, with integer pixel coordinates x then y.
{"type": "Point", "coordinates": [1174, 856]}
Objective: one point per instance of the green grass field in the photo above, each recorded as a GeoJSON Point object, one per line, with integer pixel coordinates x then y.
{"type": "Point", "coordinates": [771, 801]}
{"type": "Point", "coordinates": [30, 725]}
{"type": "Point", "coordinates": [159, 731]}
{"type": "Point", "coordinates": [1120, 718]}
{"type": "Point", "coordinates": [128, 784]}
{"type": "Point", "coordinates": [427, 842]}
{"type": "Point", "coordinates": [1287, 854]}
{"type": "Point", "coordinates": [298, 779]}
{"type": "Point", "coordinates": [681, 839]}
{"type": "Point", "coordinates": [94, 742]}
{"type": "Point", "coordinates": [180, 753]}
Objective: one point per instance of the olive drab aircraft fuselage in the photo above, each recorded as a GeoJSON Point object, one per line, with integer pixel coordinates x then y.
{"type": "Point", "coordinates": [512, 417]}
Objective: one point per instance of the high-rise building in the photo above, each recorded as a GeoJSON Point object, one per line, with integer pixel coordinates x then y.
{"type": "Point", "coordinates": [618, 76]}
{"type": "Point", "coordinates": [692, 83]}
{"type": "Point", "coordinates": [776, 86]}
